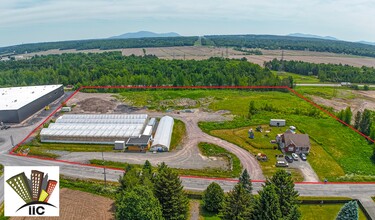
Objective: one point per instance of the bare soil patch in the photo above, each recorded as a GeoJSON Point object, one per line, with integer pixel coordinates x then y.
{"type": "Point", "coordinates": [80, 205]}
{"type": "Point", "coordinates": [95, 103]}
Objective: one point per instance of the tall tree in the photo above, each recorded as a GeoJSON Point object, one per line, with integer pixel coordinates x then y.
{"type": "Point", "coordinates": [267, 206]}
{"type": "Point", "coordinates": [237, 205]}
{"type": "Point", "coordinates": [252, 109]}
{"type": "Point", "coordinates": [287, 195]}
{"type": "Point", "coordinates": [129, 179]}
{"type": "Point", "coordinates": [245, 181]}
{"type": "Point", "coordinates": [365, 124]}
{"type": "Point", "coordinates": [147, 168]}
{"type": "Point", "coordinates": [349, 211]}
{"type": "Point", "coordinates": [348, 115]}
{"type": "Point", "coordinates": [139, 203]}
{"type": "Point", "coordinates": [357, 120]}
{"type": "Point", "coordinates": [169, 191]}
{"type": "Point", "coordinates": [213, 197]}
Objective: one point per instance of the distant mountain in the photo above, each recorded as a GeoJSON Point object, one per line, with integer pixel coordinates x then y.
{"type": "Point", "coordinates": [366, 42]}
{"type": "Point", "coordinates": [145, 34]}
{"type": "Point", "coordinates": [312, 36]}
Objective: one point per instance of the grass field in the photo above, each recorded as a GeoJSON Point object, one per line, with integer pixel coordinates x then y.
{"type": "Point", "coordinates": [327, 92]}
{"type": "Point", "coordinates": [207, 150]}
{"type": "Point", "coordinates": [298, 78]}
{"type": "Point", "coordinates": [178, 134]}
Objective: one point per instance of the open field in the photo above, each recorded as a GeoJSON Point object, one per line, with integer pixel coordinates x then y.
{"type": "Point", "coordinates": [326, 211]}
{"type": "Point", "coordinates": [203, 52]}
{"type": "Point", "coordinates": [298, 78]}
{"type": "Point", "coordinates": [178, 134]}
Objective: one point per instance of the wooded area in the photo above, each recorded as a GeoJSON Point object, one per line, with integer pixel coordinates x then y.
{"type": "Point", "coordinates": [114, 69]}
{"type": "Point", "coordinates": [272, 42]}
{"type": "Point", "coordinates": [102, 44]}
{"type": "Point", "coordinates": [326, 72]}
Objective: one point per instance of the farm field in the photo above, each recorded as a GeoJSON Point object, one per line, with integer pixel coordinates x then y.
{"type": "Point", "coordinates": [332, 154]}
{"type": "Point", "coordinates": [204, 52]}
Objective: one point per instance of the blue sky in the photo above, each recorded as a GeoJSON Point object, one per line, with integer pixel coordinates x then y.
{"type": "Point", "coordinates": [26, 21]}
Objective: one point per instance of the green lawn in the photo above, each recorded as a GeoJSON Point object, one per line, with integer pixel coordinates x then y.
{"type": "Point", "coordinates": [327, 92]}
{"type": "Point", "coordinates": [178, 134]}
{"type": "Point", "coordinates": [207, 150]}
{"type": "Point", "coordinates": [298, 78]}
{"type": "Point", "coordinates": [326, 211]}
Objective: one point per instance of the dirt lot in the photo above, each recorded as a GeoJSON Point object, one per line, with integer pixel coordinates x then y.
{"type": "Point", "coordinates": [363, 100]}
{"type": "Point", "coordinates": [201, 52]}
{"type": "Point", "coordinates": [81, 205]}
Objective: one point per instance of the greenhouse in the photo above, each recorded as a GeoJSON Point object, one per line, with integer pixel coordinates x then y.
{"type": "Point", "coordinates": [96, 129]}
{"type": "Point", "coordinates": [163, 135]}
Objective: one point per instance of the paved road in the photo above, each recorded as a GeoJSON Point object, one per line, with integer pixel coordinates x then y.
{"type": "Point", "coordinates": [188, 156]}
{"type": "Point", "coordinates": [326, 85]}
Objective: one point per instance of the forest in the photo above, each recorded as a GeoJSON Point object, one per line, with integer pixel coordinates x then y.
{"type": "Point", "coordinates": [102, 44]}
{"type": "Point", "coordinates": [272, 42]}
{"type": "Point", "coordinates": [326, 72]}
{"type": "Point", "coordinates": [111, 68]}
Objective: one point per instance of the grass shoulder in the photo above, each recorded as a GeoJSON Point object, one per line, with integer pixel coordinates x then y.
{"type": "Point", "coordinates": [178, 134]}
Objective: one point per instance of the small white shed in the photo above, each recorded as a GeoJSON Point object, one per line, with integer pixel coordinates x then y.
{"type": "Point", "coordinates": [119, 145]}
{"type": "Point", "coordinates": [277, 122]}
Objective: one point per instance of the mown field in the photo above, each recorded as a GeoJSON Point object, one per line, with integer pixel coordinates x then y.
{"type": "Point", "coordinates": [338, 153]}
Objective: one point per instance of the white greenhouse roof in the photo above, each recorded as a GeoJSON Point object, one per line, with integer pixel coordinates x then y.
{"type": "Point", "coordinates": [163, 134]}
{"type": "Point", "coordinates": [14, 98]}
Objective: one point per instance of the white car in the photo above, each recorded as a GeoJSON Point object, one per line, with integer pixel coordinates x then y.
{"type": "Point", "coordinates": [282, 163]}
{"type": "Point", "coordinates": [295, 156]}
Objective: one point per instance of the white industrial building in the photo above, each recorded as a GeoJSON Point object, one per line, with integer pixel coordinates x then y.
{"type": "Point", "coordinates": [163, 135]}
{"type": "Point", "coordinates": [278, 122]}
{"type": "Point", "coordinates": [19, 103]}
{"type": "Point", "coordinates": [95, 129]}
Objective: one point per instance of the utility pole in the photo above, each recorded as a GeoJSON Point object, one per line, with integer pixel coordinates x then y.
{"type": "Point", "coordinates": [105, 174]}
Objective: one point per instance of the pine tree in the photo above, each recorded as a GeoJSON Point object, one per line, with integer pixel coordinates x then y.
{"type": "Point", "coordinates": [169, 191]}
{"type": "Point", "coordinates": [245, 181]}
{"type": "Point", "coordinates": [357, 120]}
{"type": "Point", "coordinates": [213, 198]}
{"type": "Point", "coordinates": [139, 203]}
{"type": "Point", "coordinates": [147, 168]}
{"type": "Point", "coordinates": [341, 115]}
{"type": "Point", "coordinates": [284, 187]}
{"type": "Point", "coordinates": [348, 115]}
{"type": "Point", "coordinates": [238, 204]}
{"type": "Point", "coordinates": [267, 206]}
{"type": "Point", "coordinates": [365, 124]}
{"type": "Point", "coordinates": [349, 211]}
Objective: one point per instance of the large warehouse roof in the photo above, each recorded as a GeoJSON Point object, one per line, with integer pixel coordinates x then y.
{"type": "Point", "coordinates": [14, 98]}
{"type": "Point", "coordinates": [163, 134]}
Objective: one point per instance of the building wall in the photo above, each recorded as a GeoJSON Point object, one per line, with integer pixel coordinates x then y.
{"type": "Point", "coordinates": [17, 116]}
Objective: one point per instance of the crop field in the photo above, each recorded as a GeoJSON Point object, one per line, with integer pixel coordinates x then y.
{"type": "Point", "coordinates": [338, 153]}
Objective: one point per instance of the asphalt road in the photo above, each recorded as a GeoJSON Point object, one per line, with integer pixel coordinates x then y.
{"type": "Point", "coordinates": [326, 85]}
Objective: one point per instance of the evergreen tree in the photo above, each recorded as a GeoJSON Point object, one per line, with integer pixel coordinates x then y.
{"type": "Point", "coordinates": [245, 181]}
{"type": "Point", "coordinates": [147, 168]}
{"type": "Point", "coordinates": [341, 115]}
{"type": "Point", "coordinates": [238, 204]}
{"type": "Point", "coordinates": [169, 191]}
{"type": "Point", "coordinates": [138, 203]}
{"type": "Point", "coordinates": [365, 124]}
{"type": "Point", "coordinates": [267, 206]}
{"type": "Point", "coordinates": [213, 197]}
{"type": "Point", "coordinates": [357, 120]}
{"type": "Point", "coordinates": [294, 214]}
{"type": "Point", "coordinates": [348, 115]}
{"type": "Point", "coordinates": [349, 211]}
{"type": "Point", "coordinates": [252, 109]}
{"type": "Point", "coordinates": [130, 178]}
{"type": "Point", "coordinates": [288, 196]}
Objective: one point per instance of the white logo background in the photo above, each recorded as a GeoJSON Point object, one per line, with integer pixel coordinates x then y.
{"type": "Point", "coordinates": [12, 201]}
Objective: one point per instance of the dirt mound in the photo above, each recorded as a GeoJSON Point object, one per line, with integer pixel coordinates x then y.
{"type": "Point", "coordinates": [96, 105]}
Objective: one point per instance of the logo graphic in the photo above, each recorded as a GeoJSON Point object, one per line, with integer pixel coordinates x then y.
{"type": "Point", "coordinates": [37, 196]}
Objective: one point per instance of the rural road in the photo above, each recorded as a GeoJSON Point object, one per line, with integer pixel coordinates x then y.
{"type": "Point", "coordinates": [326, 85]}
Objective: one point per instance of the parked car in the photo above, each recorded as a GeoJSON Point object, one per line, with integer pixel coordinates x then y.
{"type": "Point", "coordinates": [282, 163]}
{"type": "Point", "coordinates": [303, 156]}
{"type": "Point", "coordinates": [289, 158]}
{"type": "Point", "coordinates": [295, 156]}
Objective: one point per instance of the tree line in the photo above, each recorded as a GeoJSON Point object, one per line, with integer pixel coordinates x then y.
{"type": "Point", "coordinates": [111, 68]}
{"type": "Point", "coordinates": [272, 42]}
{"type": "Point", "coordinates": [102, 44]}
{"type": "Point", "coordinates": [325, 72]}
